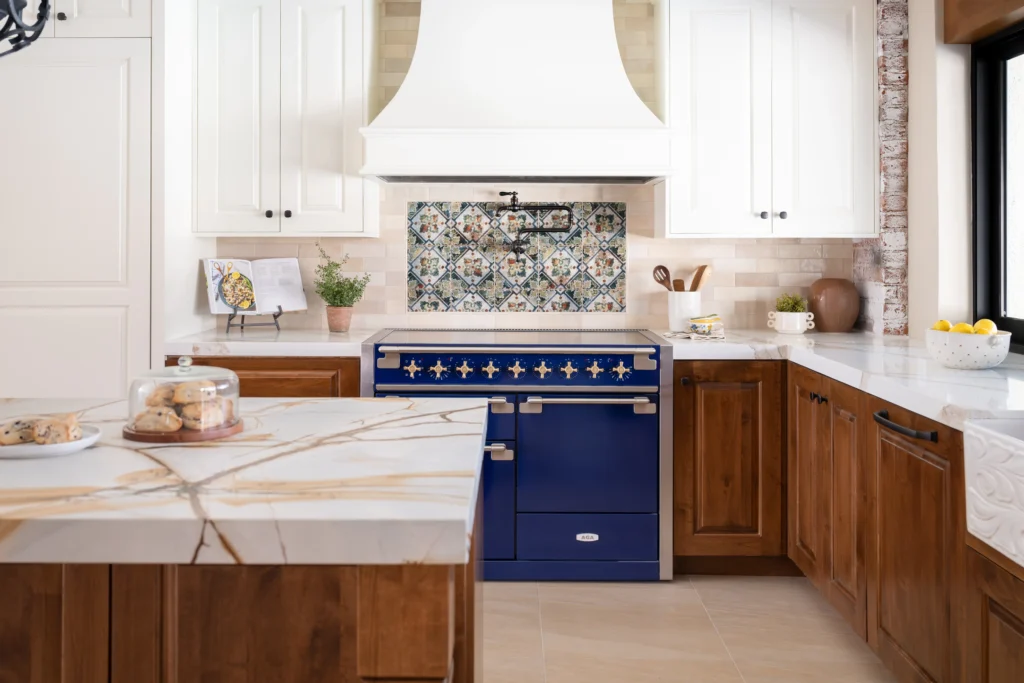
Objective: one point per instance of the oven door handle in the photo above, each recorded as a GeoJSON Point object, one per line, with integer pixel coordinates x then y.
{"type": "Point", "coordinates": [641, 404]}
{"type": "Point", "coordinates": [500, 452]}
{"type": "Point", "coordinates": [499, 405]}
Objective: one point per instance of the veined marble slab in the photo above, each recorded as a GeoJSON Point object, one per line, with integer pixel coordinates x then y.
{"type": "Point", "coordinates": [895, 369]}
{"type": "Point", "coordinates": [309, 481]}
{"type": "Point", "coordinates": [264, 342]}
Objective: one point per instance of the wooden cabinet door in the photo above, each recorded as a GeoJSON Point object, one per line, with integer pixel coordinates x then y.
{"type": "Point", "coordinates": [995, 621]}
{"type": "Point", "coordinates": [322, 107]}
{"type": "Point", "coordinates": [845, 581]}
{"type": "Point", "coordinates": [720, 112]}
{"type": "Point", "coordinates": [916, 557]}
{"type": "Point", "coordinates": [102, 18]}
{"type": "Point", "coordinates": [728, 458]}
{"type": "Point", "coordinates": [239, 152]}
{"type": "Point", "coordinates": [267, 377]}
{"type": "Point", "coordinates": [54, 623]}
{"type": "Point", "coordinates": [823, 117]}
{"type": "Point", "coordinates": [75, 262]}
{"type": "Point", "coordinates": [807, 482]}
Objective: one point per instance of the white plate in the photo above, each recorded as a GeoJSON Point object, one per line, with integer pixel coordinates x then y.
{"type": "Point", "coordinates": [27, 451]}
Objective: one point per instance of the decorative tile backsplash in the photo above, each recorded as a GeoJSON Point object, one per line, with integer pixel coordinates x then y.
{"type": "Point", "coordinates": [461, 259]}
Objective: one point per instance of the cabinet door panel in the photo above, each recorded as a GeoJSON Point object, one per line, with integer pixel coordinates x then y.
{"type": "Point", "coordinates": [103, 18]}
{"type": "Point", "coordinates": [268, 377]}
{"type": "Point", "coordinates": [823, 117]}
{"type": "Point", "coordinates": [75, 263]}
{"type": "Point", "coordinates": [239, 153]}
{"type": "Point", "coordinates": [995, 649]}
{"type": "Point", "coordinates": [322, 105]}
{"type": "Point", "coordinates": [720, 108]}
{"type": "Point", "coordinates": [728, 458]}
{"type": "Point", "coordinates": [808, 458]}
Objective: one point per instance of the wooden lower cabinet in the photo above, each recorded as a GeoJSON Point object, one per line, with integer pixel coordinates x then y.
{"type": "Point", "coordinates": [995, 617]}
{"type": "Point", "coordinates": [728, 419]}
{"type": "Point", "coordinates": [807, 469]}
{"type": "Point", "coordinates": [54, 623]}
{"type": "Point", "coordinates": [287, 377]}
{"type": "Point", "coordinates": [916, 546]}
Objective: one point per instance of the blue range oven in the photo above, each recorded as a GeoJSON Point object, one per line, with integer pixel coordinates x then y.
{"type": "Point", "coordinates": [578, 469]}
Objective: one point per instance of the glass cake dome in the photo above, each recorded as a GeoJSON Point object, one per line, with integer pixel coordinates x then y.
{"type": "Point", "coordinates": [183, 403]}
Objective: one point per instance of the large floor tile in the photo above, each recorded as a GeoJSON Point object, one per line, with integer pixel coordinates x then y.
{"type": "Point", "coordinates": [645, 596]}
{"type": "Point", "coordinates": [513, 647]}
{"type": "Point", "coordinates": [811, 672]}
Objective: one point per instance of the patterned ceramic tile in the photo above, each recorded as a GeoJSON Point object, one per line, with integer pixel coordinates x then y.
{"type": "Point", "coordinates": [460, 259]}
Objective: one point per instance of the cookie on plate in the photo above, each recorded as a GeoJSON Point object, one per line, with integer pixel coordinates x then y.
{"type": "Point", "coordinates": [51, 430]}
{"type": "Point", "coordinates": [17, 431]}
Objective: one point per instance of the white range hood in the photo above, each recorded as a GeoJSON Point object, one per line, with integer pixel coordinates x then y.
{"type": "Point", "coordinates": [516, 89]}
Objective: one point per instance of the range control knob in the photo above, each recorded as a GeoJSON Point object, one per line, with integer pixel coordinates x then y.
{"type": "Point", "coordinates": [516, 369]}
{"type": "Point", "coordinates": [621, 370]}
{"type": "Point", "coordinates": [465, 369]}
{"type": "Point", "coordinates": [490, 369]}
{"type": "Point", "coordinates": [595, 369]}
{"type": "Point", "coordinates": [542, 369]}
{"type": "Point", "coordinates": [569, 370]}
{"type": "Point", "coordinates": [438, 369]}
{"type": "Point", "coordinates": [412, 368]}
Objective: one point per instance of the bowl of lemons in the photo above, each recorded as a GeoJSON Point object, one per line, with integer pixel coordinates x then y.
{"type": "Point", "coordinates": [968, 347]}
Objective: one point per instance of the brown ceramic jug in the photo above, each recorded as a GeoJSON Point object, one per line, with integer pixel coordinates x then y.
{"type": "Point", "coordinates": [835, 303]}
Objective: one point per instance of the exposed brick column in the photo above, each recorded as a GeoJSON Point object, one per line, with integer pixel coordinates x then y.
{"type": "Point", "coordinates": [880, 265]}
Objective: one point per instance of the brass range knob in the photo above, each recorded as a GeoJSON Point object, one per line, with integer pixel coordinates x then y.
{"type": "Point", "coordinates": [517, 370]}
{"type": "Point", "coordinates": [595, 369]}
{"type": "Point", "coordinates": [621, 370]}
{"type": "Point", "coordinates": [490, 369]}
{"type": "Point", "coordinates": [412, 369]}
{"type": "Point", "coordinates": [569, 370]}
{"type": "Point", "coordinates": [465, 369]}
{"type": "Point", "coordinates": [438, 369]}
{"type": "Point", "coordinates": [542, 369]}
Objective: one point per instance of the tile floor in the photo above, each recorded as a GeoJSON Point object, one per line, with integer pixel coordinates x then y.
{"type": "Point", "coordinates": [696, 630]}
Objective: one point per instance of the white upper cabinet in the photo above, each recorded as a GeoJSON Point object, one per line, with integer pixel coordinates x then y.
{"type": "Point", "coordinates": [771, 107]}
{"type": "Point", "coordinates": [718, 108]}
{"type": "Point", "coordinates": [279, 150]}
{"type": "Point", "coordinates": [823, 100]}
{"type": "Point", "coordinates": [103, 18]}
{"type": "Point", "coordinates": [239, 132]}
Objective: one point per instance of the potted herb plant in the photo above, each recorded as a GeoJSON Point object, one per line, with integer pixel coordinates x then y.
{"type": "Point", "coordinates": [790, 315]}
{"type": "Point", "coordinates": [338, 291]}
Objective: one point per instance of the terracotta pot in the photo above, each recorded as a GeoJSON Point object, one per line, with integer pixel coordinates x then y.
{"type": "Point", "coordinates": [339, 319]}
{"type": "Point", "coordinates": [835, 303]}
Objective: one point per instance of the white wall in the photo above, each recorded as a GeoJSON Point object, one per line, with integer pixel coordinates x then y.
{"type": "Point", "coordinates": [939, 204]}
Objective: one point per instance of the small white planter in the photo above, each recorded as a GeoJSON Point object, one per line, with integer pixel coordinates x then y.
{"type": "Point", "coordinates": [790, 323]}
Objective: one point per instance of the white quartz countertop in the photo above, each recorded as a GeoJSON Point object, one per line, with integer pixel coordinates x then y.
{"type": "Point", "coordinates": [309, 481]}
{"type": "Point", "coordinates": [895, 369]}
{"type": "Point", "coordinates": [264, 342]}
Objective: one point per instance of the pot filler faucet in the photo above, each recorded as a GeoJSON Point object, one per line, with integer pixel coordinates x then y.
{"type": "Point", "coordinates": [514, 207]}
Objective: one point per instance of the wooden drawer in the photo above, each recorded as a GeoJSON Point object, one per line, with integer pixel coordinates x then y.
{"type": "Point", "coordinates": [281, 377]}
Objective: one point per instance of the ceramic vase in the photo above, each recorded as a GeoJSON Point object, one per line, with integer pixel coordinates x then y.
{"type": "Point", "coordinates": [835, 303]}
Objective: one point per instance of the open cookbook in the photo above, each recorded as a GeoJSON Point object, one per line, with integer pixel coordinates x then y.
{"type": "Point", "coordinates": [254, 287]}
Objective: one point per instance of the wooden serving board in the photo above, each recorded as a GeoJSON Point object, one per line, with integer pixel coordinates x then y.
{"type": "Point", "coordinates": [183, 435]}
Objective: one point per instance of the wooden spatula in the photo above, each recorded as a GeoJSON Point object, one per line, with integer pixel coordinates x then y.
{"type": "Point", "coordinates": [663, 277]}
{"type": "Point", "coordinates": [679, 285]}
{"type": "Point", "coordinates": [700, 277]}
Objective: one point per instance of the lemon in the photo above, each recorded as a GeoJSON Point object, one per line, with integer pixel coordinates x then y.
{"type": "Point", "coordinates": [942, 326]}
{"type": "Point", "coordinates": [985, 326]}
{"type": "Point", "coordinates": [963, 328]}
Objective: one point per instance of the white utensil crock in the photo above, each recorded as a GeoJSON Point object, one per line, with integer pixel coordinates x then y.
{"type": "Point", "coordinates": [790, 323]}
{"type": "Point", "coordinates": [681, 307]}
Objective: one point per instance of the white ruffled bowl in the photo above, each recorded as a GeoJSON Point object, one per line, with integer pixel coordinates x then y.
{"type": "Point", "coordinates": [968, 351]}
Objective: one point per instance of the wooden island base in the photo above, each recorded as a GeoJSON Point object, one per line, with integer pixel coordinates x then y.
{"type": "Point", "coordinates": [239, 624]}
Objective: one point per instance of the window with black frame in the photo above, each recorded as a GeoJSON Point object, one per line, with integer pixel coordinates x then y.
{"type": "Point", "coordinates": [998, 131]}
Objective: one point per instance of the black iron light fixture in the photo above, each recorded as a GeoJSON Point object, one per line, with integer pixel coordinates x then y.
{"type": "Point", "coordinates": [514, 207]}
{"type": "Point", "coordinates": [15, 34]}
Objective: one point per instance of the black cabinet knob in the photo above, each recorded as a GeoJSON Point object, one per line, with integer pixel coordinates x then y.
{"type": "Point", "coordinates": [61, 16]}
{"type": "Point", "coordinates": [822, 399]}
{"type": "Point", "coordinates": [764, 215]}
{"type": "Point", "coordinates": [270, 214]}
{"type": "Point", "coordinates": [783, 215]}
{"type": "Point", "coordinates": [815, 396]}
{"type": "Point", "coordinates": [685, 381]}
{"type": "Point", "coordinates": [288, 214]}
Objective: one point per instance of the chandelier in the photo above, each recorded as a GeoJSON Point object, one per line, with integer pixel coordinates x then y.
{"type": "Point", "coordinates": [14, 30]}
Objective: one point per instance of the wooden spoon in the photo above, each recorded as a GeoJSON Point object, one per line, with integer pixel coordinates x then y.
{"type": "Point", "coordinates": [663, 277]}
{"type": "Point", "coordinates": [700, 277]}
{"type": "Point", "coordinates": [679, 285]}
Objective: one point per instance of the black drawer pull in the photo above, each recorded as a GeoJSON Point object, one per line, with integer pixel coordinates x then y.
{"type": "Point", "coordinates": [882, 418]}
{"type": "Point", "coordinates": [815, 397]}
{"type": "Point", "coordinates": [822, 399]}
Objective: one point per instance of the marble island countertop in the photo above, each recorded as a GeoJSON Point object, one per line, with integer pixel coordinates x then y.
{"type": "Point", "coordinates": [309, 481]}
{"type": "Point", "coordinates": [895, 369]}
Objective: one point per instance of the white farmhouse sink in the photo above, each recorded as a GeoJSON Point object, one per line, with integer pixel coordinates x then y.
{"type": "Point", "coordinates": [994, 464]}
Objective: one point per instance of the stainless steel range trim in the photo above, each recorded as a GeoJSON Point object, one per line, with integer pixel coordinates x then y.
{"type": "Point", "coordinates": [500, 452]}
{"type": "Point", "coordinates": [641, 356]}
{"type": "Point", "coordinates": [490, 388]}
{"type": "Point", "coordinates": [641, 404]}
{"type": "Point", "coordinates": [665, 469]}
